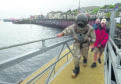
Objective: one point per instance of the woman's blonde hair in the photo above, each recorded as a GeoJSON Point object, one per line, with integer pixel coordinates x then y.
{"type": "Point", "coordinates": [103, 21]}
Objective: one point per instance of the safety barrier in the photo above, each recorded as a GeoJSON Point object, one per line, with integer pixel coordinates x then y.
{"type": "Point", "coordinates": [112, 61]}
{"type": "Point", "coordinates": [112, 56]}
{"type": "Point", "coordinates": [13, 61]}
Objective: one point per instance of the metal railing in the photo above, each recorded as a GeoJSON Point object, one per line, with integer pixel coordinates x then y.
{"type": "Point", "coordinates": [13, 61]}
{"type": "Point", "coordinates": [51, 67]}
{"type": "Point", "coordinates": [26, 43]}
{"type": "Point", "coordinates": [112, 57]}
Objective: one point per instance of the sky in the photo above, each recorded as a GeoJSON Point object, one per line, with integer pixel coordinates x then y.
{"type": "Point", "coordinates": [26, 8]}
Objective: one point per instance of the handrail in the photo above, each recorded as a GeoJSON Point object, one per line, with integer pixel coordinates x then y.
{"type": "Point", "coordinates": [32, 79]}
{"type": "Point", "coordinates": [36, 77]}
{"type": "Point", "coordinates": [25, 43]}
{"type": "Point", "coordinates": [18, 59]}
{"type": "Point", "coordinates": [113, 43]}
{"type": "Point", "coordinates": [112, 56]}
{"type": "Point", "coordinates": [15, 60]}
{"type": "Point", "coordinates": [118, 51]}
{"type": "Point", "coordinates": [112, 61]}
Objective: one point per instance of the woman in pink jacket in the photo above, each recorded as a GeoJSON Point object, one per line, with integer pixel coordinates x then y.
{"type": "Point", "coordinates": [102, 35]}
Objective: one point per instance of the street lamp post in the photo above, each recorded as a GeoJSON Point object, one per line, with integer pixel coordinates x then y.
{"type": "Point", "coordinates": [79, 7]}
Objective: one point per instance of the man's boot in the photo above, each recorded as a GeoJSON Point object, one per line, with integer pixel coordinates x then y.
{"type": "Point", "coordinates": [75, 72]}
{"type": "Point", "coordinates": [99, 60]}
{"type": "Point", "coordinates": [94, 65]}
{"type": "Point", "coordinates": [84, 62]}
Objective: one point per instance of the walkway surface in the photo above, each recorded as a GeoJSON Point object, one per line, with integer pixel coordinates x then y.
{"type": "Point", "coordinates": [87, 74]}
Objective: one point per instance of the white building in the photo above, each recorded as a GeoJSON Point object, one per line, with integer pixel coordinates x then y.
{"type": "Point", "coordinates": [60, 15]}
{"type": "Point", "coordinates": [55, 15]}
{"type": "Point", "coordinates": [102, 12]}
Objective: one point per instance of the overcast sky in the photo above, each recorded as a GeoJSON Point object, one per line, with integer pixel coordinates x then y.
{"type": "Point", "coordinates": [25, 8]}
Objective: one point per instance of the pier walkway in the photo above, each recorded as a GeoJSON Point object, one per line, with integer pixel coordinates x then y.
{"type": "Point", "coordinates": [58, 70]}
{"type": "Point", "coordinates": [87, 74]}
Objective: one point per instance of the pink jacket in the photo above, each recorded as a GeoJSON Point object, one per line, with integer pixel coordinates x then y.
{"type": "Point", "coordinates": [101, 37]}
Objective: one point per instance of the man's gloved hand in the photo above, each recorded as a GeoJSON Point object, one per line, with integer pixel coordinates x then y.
{"type": "Point", "coordinates": [99, 46]}
{"type": "Point", "coordinates": [92, 48]}
{"type": "Point", "coordinates": [59, 35]}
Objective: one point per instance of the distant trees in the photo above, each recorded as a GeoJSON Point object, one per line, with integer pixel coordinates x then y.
{"type": "Point", "coordinates": [95, 10]}
{"type": "Point", "coordinates": [112, 6]}
{"type": "Point", "coordinates": [74, 12]}
{"type": "Point", "coordinates": [108, 15]}
{"type": "Point", "coordinates": [108, 6]}
{"type": "Point", "coordinates": [69, 11]}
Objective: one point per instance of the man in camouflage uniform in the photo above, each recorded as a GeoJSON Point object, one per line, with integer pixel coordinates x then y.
{"type": "Point", "coordinates": [83, 34]}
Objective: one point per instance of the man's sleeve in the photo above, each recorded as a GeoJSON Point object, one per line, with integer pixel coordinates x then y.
{"type": "Point", "coordinates": [68, 30]}
{"type": "Point", "coordinates": [108, 30]}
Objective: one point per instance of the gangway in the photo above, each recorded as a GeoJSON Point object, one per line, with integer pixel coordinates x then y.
{"type": "Point", "coordinates": [58, 70]}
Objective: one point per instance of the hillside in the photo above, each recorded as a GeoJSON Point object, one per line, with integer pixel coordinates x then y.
{"type": "Point", "coordinates": [90, 7]}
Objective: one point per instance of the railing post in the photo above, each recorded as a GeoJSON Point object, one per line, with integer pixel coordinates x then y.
{"type": "Point", "coordinates": [118, 58]}
{"type": "Point", "coordinates": [105, 54]}
{"type": "Point", "coordinates": [69, 49]}
{"type": "Point", "coordinates": [43, 43]}
{"type": "Point", "coordinates": [105, 64]}
{"type": "Point", "coordinates": [53, 68]}
{"type": "Point", "coordinates": [112, 24]}
{"type": "Point", "coordinates": [109, 72]}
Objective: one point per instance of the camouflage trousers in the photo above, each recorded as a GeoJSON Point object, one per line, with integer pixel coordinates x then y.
{"type": "Point", "coordinates": [80, 51]}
